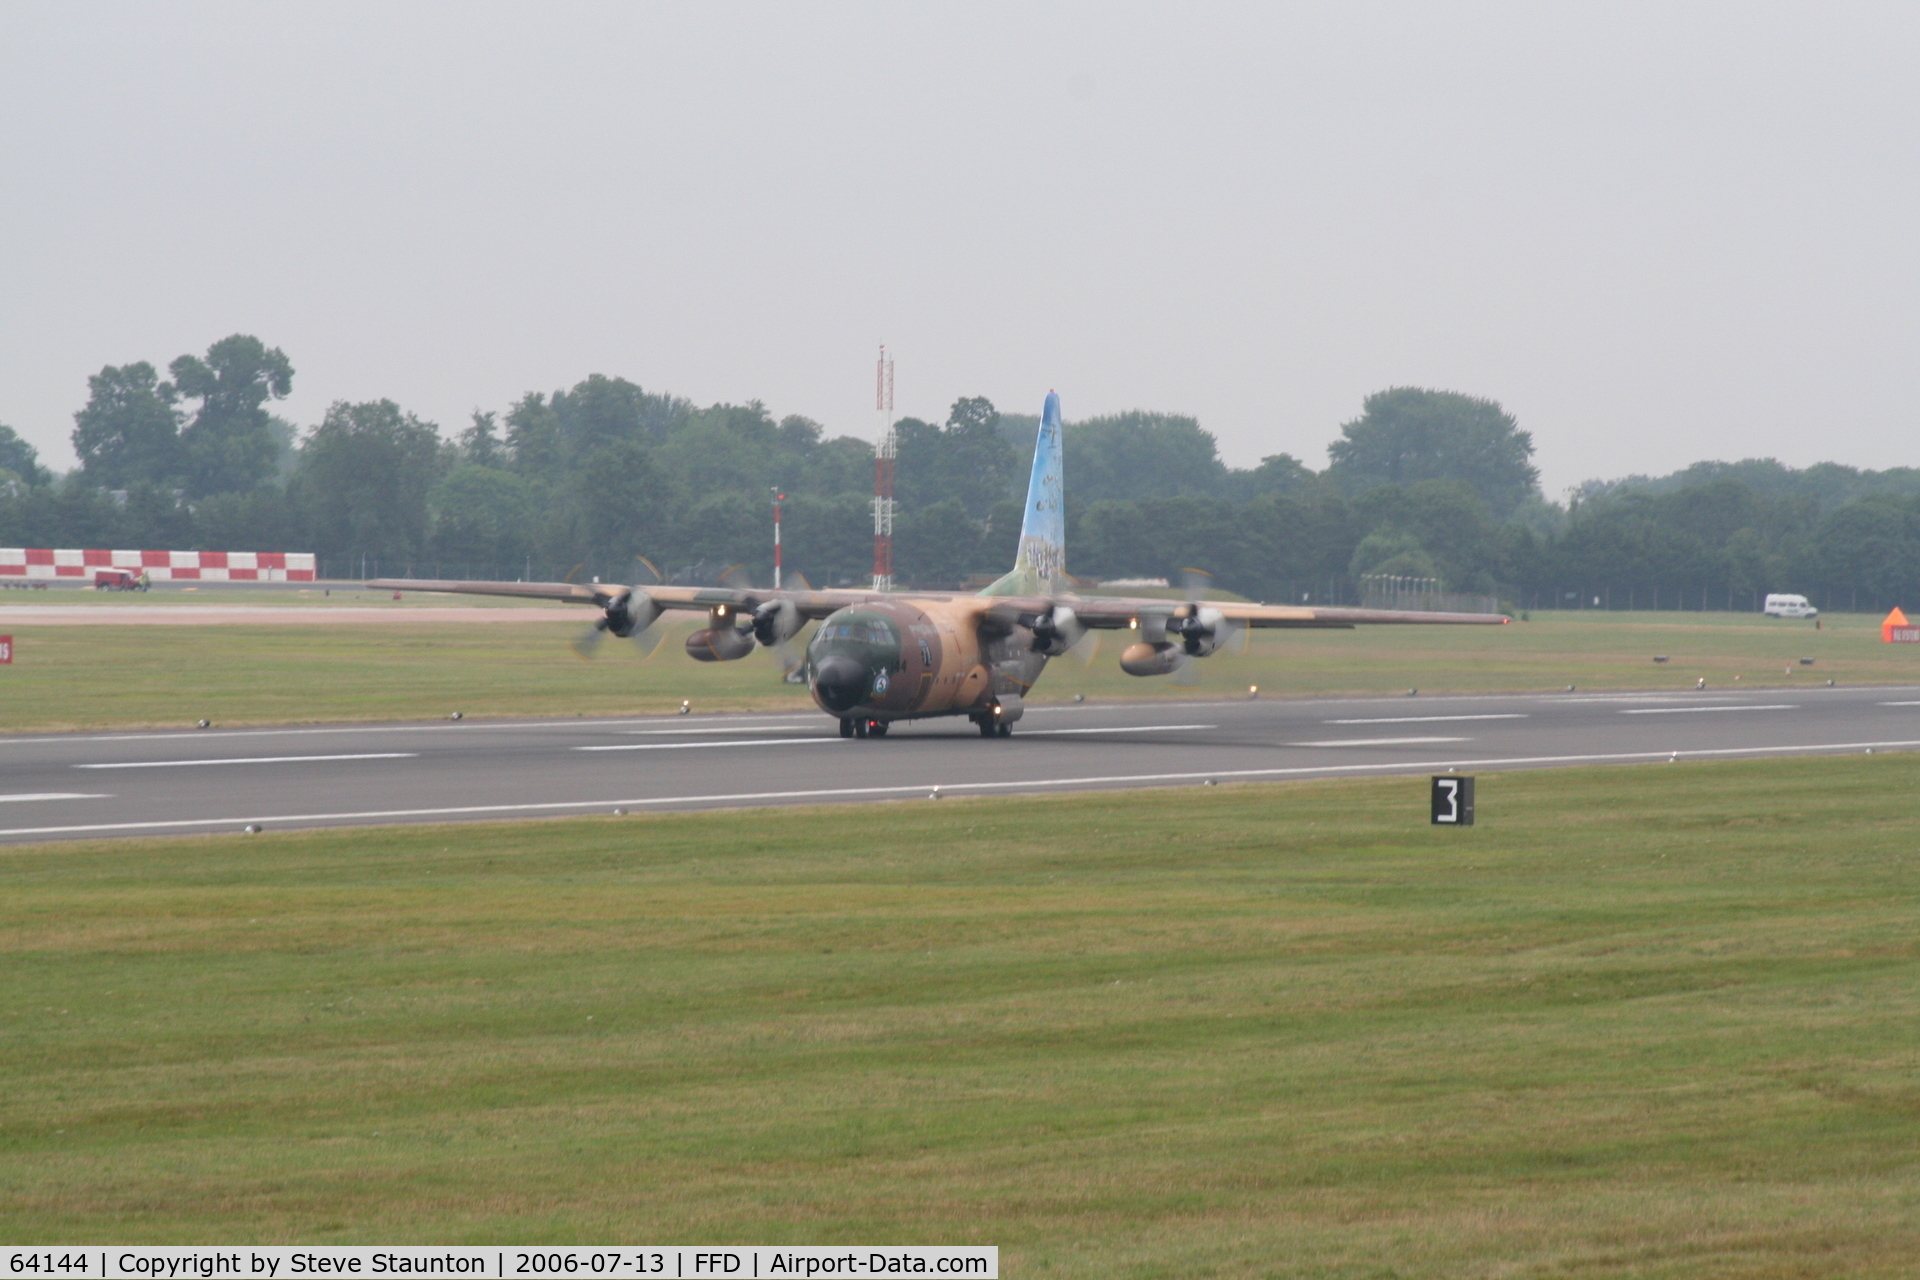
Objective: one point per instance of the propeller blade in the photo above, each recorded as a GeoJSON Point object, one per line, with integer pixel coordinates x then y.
{"type": "Point", "coordinates": [792, 661]}
{"type": "Point", "coordinates": [645, 573]}
{"type": "Point", "coordinates": [648, 639]}
{"type": "Point", "coordinates": [1187, 673]}
{"type": "Point", "coordinates": [587, 643]}
{"type": "Point", "coordinates": [1195, 583]}
{"type": "Point", "coordinates": [1087, 648]}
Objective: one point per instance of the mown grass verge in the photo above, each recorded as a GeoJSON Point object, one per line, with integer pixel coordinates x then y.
{"type": "Point", "coordinates": [1651, 1021]}
{"type": "Point", "coordinates": [83, 676]}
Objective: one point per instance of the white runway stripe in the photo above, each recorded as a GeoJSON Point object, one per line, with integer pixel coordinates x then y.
{"type": "Point", "coordinates": [23, 796]}
{"type": "Point", "coordinates": [741, 728]}
{"type": "Point", "coordinates": [1132, 728]}
{"type": "Point", "coordinates": [848, 793]}
{"type": "Point", "coordinates": [1375, 742]}
{"type": "Point", "coordinates": [1680, 711]}
{"type": "Point", "coordinates": [695, 746]}
{"type": "Point", "coordinates": [1502, 715]}
{"type": "Point", "coordinates": [181, 764]}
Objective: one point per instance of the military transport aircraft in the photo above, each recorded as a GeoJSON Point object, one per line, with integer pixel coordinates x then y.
{"type": "Point", "coordinates": [878, 657]}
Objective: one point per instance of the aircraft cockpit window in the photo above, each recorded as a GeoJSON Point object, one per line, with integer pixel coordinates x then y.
{"type": "Point", "coordinates": [862, 632]}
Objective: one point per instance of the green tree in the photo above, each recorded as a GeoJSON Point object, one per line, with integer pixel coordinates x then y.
{"type": "Point", "coordinates": [1405, 435]}
{"type": "Point", "coordinates": [625, 508]}
{"type": "Point", "coordinates": [129, 432]}
{"type": "Point", "coordinates": [965, 460]}
{"type": "Point", "coordinates": [21, 460]}
{"type": "Point", "coordinates": [478, 443]}
{"type": "Point", "coordinates": [937, 545]}
{"type": "Point", "coordinates": [533, 437]}
{"type": "Point", "coordinates": [1141, 455]}
{"type": "Point", "coordinates": [229, 444]}
{"type": "Point", "coordinates": [481, 519]}
{"type": "Point", "coordinates": [363, 481]}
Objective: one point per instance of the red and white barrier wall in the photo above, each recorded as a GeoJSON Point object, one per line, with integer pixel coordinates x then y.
{"type": "Point", "coordinates": [40, 563]}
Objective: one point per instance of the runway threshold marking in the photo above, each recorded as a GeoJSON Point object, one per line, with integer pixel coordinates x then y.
{"type": "Point", "coordinates": [24, 796]}
{"type": "Point", "coordinates": [1681, 711]}
{"type": "Point", "coordinates": [1501, 715]}
{"type": "Point", "coordinates": [746, 797]}
{"type": "Point", "coordinates": [181, 764]}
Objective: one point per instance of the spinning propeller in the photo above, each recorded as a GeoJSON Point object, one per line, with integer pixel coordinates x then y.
{"type": "Point", "coordinates": [630, 613]}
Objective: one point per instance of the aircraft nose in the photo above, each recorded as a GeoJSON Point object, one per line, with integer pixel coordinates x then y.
{"type": "Point", "coordinates": [839, 683]}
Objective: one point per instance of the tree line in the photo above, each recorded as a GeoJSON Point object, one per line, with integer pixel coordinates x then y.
{"type": "Point", "coordinates": [580, 481]}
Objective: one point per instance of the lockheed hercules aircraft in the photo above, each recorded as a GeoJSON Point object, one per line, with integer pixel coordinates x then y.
{"type": "Point", "coordinates": [878, 657]}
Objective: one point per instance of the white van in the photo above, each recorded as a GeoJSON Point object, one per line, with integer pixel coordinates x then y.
{"type": "Point", "coordinates": [1789, 607]}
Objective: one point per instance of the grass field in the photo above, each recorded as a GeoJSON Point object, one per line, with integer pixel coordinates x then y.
{"type": "Point", "coordinates": [1650, 1021]}
{"type": "Point", "coordinates": [79, 676]}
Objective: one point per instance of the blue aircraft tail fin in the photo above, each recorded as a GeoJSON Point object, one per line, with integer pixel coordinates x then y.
{"type": "Point", "coordinates": [1041, 566]}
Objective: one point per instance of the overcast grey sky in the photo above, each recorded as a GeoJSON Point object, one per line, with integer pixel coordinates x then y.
{"type": "Point", "coordinates": [1655, 232]}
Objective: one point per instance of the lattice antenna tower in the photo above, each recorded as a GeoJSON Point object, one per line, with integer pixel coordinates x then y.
{"type": "Point", "coordinates": [883, 474]}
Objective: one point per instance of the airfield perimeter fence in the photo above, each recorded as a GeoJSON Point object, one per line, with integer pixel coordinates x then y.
{"type": "Point", "coordinates": [1704, 599]}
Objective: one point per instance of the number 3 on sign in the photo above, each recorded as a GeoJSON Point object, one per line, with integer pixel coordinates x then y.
{"type": "Point", "coordinates": [1452, 800]}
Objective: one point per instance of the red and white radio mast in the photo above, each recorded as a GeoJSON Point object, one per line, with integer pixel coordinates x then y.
{"type": "Point", "coordinates": [883, 476]}
{"type": "Point", "coordinates": [778, 498]}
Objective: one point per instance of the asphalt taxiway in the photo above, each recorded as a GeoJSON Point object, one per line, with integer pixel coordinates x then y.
{"type": "Point", "coordinates": [89, 785]}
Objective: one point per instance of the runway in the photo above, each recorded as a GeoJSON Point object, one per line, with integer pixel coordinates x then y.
{"type": "Point", "coordinates": [89, 785]}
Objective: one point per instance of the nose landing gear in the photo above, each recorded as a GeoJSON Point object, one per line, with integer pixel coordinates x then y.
{"type": "Point", "coordinates": [993, 727]}
{"type": "Point", "coordinates": [861, 728]}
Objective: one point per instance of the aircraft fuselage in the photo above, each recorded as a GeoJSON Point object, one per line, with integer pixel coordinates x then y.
{"type": "Point", "coordinates": [911, 658]}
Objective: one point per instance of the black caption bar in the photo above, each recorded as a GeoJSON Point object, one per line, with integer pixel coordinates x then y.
{"type": "Point", "coordinates": [519, 1262]}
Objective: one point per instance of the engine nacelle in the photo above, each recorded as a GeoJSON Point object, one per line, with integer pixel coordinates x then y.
{"type": "Point", "coordinates": [777, 620]}
{"type": "Point", "coordinates": [630, 613]}
{"type": "Point", "coordinates": [1204, 632]}
{"type": "Point", "coordinates": [1146, 659]}
{"type": "Point", "coordinates": [1057, 631]}
{"type": "Point", "coordinates": [721, 641]}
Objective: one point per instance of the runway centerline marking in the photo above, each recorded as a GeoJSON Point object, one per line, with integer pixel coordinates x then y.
{"type": "Point", "coordinates": [1375, 742]}
{"type": "Point", "coordinates": [695, 746]}
{"type": "Point", "coordinates": [23, 796]}
{"type": "Point", "coordinates": [1132, 728]}
{"type": "Point", "coordinates": [181, 764]}
{"type": "Point", "coordinates": [1681, 711]}
{"type": "Point", "coordinates": [1409, 766]}
{"type": "Point", "coordinates": [1498, 715]}
{"type": "Point", "coordinates": [799, 728]}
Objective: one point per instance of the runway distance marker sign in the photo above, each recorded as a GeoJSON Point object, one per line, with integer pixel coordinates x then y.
{"type": "Point", "coordinates": [276, 1262]}
{"type": "Point", "coordinates": [1452, 800]}
{"type": "Point", "coordinates": [6, 649]}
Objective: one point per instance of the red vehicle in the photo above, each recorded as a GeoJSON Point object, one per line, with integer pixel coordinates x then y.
{"type": "Point", "coordinates": [118, 580]}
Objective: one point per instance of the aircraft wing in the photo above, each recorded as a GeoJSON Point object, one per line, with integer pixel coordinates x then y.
{"type": "Point", "coordinates": [1110, 613]}
{"type": "Point", "coordinates": [1105, 613]}
{"type": "Point", "coordinates": [811, 604]}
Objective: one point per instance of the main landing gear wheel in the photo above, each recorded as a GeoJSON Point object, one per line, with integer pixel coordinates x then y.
{"type": "Point", "coordinates": [1005, 730]}
{"type": "Point", "coordinates": [985, 726]}
{"type": "Point", "coordinates": [846, 727]}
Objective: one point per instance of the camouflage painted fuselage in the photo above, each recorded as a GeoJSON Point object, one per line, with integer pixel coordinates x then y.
{"type": "Point", "coordinates": [915, 657]}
